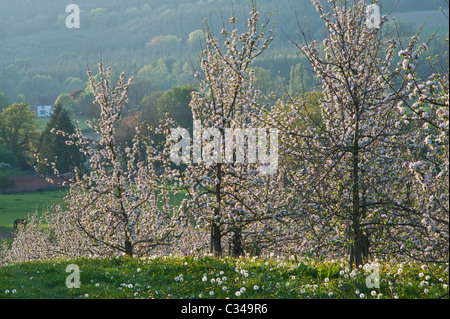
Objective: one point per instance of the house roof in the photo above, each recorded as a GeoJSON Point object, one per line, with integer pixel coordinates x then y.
{"type": "Point", "coordinates": [46, 100]}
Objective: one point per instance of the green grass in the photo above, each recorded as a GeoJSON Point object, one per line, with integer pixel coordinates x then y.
{"type": "Point", "coordinates": [20, 205]}
{"type": "Point", "coordinates": [211, 278]}
{"type": "Point", "coordinates": [42, 122]}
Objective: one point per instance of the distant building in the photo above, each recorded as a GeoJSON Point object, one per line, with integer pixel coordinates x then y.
{"type": "Point", "coordinates": [45, 104]}
{"type": "Point", "coordinates": [44, 110]}
{"type": "Point", "coordinates": [75, 94]}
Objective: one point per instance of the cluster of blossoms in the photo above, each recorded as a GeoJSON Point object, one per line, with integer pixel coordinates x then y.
{"type": "Point", "coordinates": [426, 106]}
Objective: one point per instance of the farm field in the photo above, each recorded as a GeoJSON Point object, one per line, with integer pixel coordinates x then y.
{"type": "Point", "coordinates": [42, 122]}
{"type": "Point", "coordinates": [20, 205]}
{"type": "Point", "coordinates": [219, 278]}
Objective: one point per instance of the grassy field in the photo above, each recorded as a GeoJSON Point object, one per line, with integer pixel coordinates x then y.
{"type": "Point", "coordinates": [42, 122]}
{"type": "Point", "coordinates": [20, 205]}
{"type": "Point", "coordinates": [214, 278]}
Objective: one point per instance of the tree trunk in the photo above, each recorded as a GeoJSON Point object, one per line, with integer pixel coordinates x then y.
{"type": "Point", "coordinates": [216, 235]}
{"type": "Point", "coordinates": [216, 240]}
{"type": "Point", "coordinates": [128, 247]}
{"type": "Point", "coordinates": [356, 251]}
{"type": "Point", "coordinates": [237, 243]}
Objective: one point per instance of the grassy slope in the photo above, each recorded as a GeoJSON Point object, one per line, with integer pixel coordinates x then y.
{"type": "Point", "coordinates": [206, 277]}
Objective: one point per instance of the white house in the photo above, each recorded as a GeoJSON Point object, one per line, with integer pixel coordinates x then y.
{"type": "Point", "coordinates": [44, 110]}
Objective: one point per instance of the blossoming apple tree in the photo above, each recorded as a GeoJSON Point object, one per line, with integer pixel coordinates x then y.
{"type": "Point", "coordinates": [351, 178]}
{"type": "Point", "coordinates": [119, 204]}
{"type": "Point", "coordinates": [230, 194]}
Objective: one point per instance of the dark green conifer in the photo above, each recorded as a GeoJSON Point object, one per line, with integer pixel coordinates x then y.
{"type": "Point", "coordinates": [53, 146]}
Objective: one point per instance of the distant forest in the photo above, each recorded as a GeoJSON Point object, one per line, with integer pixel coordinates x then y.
{"type": "Point", "coordinates": [156, 40]}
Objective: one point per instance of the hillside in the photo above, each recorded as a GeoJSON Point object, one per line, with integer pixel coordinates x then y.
{"type": "Point", "coordinates": [40, 57]}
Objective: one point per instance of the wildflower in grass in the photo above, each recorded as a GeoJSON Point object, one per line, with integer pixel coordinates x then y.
{"type": "Point", "coordinates": [179, 278]}
{"type": "Point", "coordinates": [238, 293]}
{"type": "Point", "coordinates": [211, 293]}
{"type": "Point", "coordinates": [204, 279]}
{"type": "Point", "coordinates": [373, 293]}
{"type": "Point", "coordinates": [255, 287]}
{"type": "Point", "coordinates": [361, 296]}
{"type": "Point", "coordinates": [6, 291]}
